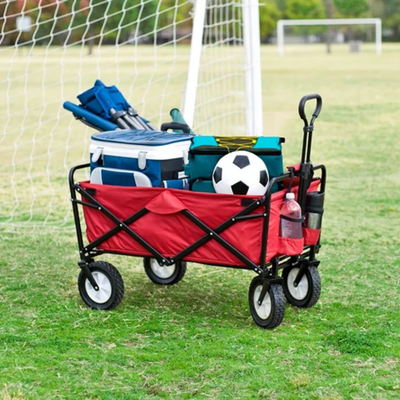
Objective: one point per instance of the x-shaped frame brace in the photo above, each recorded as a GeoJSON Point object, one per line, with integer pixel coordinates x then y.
{"type": "Point", "coordinates": [123, 225]}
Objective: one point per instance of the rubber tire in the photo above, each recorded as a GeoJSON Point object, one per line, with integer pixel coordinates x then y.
{"type": "Point", "coordinates": [313, 291]}
{"type": "Point", "coordinates": [115, 280]}
{"type": "Point", "coordinates": [175, 277]}
{"type": "Point", "coordinates": [275, 294]}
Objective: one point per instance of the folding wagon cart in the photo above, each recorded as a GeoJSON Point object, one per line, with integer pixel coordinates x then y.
{"type": "Point", "coordinates": [169, 227]}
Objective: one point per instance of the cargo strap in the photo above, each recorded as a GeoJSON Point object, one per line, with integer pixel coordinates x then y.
{"type": "Point", "coordinates": [235, 143]}
{"type": "Point", "coordinates": [293, 219]}
{"type": "Point", "coordinates": [291, 172]}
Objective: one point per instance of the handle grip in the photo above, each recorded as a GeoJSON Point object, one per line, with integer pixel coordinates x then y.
{"type": "Point", "coordinates": [175, 126]}
{"type": "Point", "coordinates": [317, 108]}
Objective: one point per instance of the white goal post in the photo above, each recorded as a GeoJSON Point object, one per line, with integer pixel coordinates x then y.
{"type": "Point", "coordinates": [251, 40]}
{"type": "Point", "coordinates": [339, 21]}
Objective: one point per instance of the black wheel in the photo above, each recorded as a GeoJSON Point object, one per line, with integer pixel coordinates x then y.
{"type": "Point", "coordinates": [111, 286]}
{"type": "Point", "coordinates": [307, 292]}
{"type": "Point", "coordinates": [163, 274]}
{"type": "Point", "coordinates": [270, 313]}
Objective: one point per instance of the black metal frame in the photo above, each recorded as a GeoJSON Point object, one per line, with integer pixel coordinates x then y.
{"type": "Point", "coordinates": [269, 271]}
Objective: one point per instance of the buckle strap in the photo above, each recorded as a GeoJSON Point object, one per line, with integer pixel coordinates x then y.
{"type": "Point", "coordinates": [291, 171]}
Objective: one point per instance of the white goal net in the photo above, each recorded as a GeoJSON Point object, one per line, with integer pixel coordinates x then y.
{"type": "Point", "coordinates": [53, 50]}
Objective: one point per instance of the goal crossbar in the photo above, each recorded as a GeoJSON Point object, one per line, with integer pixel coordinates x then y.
{"type": "Point", "coordinates": [337, 21]}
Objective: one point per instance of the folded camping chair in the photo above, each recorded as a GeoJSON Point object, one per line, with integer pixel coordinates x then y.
{"type": "Point", "coordinates": [105, 108]}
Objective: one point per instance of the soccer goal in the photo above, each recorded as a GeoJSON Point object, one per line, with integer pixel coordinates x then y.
{"type": "Point", "coordinates": [200, 56]}
{"type": "Point", "coordinates": [329, 22]}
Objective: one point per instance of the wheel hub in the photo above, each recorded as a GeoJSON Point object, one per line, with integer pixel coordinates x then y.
{"type": "Point", "coordinates": [299, 290]}
{"type": "Point", "coordinates": [102, 292]}
{"type": "Point", "coordinates": [162, 271]}
{"type": "Point", "coordinates": [264, 309]}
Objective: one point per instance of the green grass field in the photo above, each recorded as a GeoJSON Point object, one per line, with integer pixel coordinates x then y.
{"type": "Point", "coordinates": [197, 339]}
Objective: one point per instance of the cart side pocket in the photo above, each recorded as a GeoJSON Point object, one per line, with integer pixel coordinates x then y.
{"type": "Point", "coordinates": [311, 236]}
{"type": "Point", "coordinates": [290, 247]}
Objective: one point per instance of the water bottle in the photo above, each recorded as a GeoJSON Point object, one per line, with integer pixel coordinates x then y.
{"type": "Point", "coordinates": [314, 210]}
{"type": "Point", "coordinates": [292, 210]}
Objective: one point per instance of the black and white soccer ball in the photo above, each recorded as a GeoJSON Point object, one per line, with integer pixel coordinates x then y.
{"type": "Point", "coordinates": [240, 172]}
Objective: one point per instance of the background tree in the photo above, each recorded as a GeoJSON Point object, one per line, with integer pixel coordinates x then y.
{"type": "Point", "coordinates": [11, 10]}
{"type": "Point", "coordinates": [329, 15]}
{"type": "Point", "coordinates": [148, 16]}
{"type": "Point", "coordinates": [269, 15]}
{"type": "Point", "coordinates": [304, 9]}
{"type": "Point", "coordinates": [391, 17]}
{"type": "Point", "coordinates": [351, 8]}
{"type": "Point", "coordinates": [106, 18]}
{"type": "Point", "coordinates": [171, 12]}
{"type": "Point", "coordinates": [53, 17]}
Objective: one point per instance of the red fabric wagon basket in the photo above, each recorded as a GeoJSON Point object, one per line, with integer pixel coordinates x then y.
{"type": "Point", "coordinates": [167, 228]}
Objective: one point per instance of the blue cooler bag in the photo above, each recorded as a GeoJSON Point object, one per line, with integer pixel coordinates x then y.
{"type": "Point", "coordinates": [206, 151]}
{"type": "Point", "coordinates": [122, 157]}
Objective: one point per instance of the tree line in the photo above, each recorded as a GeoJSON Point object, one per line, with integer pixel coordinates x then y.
{"type": "Point", "coordinates": [387, 10]}
{"type": "Point", "coordinates": [88, 21]}
{"type": "Point", "coordinates": [116, 21]}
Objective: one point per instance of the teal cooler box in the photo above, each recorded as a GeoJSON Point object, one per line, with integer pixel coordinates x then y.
{"type": "Point", "coordinates": [206, 151]}
{"type": "Point", "coordinates": [138, 158]}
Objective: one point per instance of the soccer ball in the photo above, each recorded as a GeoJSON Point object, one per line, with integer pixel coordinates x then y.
{"type": "Point", "coordinates": [240, 172]}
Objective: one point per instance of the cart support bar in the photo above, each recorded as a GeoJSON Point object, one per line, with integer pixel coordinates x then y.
{"type": "Point", "coordinates": [264, 291]}
{"type": "Point", "coordinates": [214, 235]}
{"type": "Point", "coordinates": [120, 225]}
{"type": "Point", "coordinates": [84, 266]}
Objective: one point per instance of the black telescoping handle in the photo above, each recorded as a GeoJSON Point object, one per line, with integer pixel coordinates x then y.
{"type": "Point", "coordinates": [305, 167]}
{"type": "Point", "coordinates": [175, 125]}
{"type": "Point", "coordinates": [317, 110]}
{"type": "Point", "coordinates": [308, 127]}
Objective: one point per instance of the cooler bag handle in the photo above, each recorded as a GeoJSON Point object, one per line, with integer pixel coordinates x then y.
{"type": "Point", "coordinates": [142, 160]}
{"type": "Point", "coordinates": [175, 126]}
{"type": "Point", "coordinates": [97, 154]}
